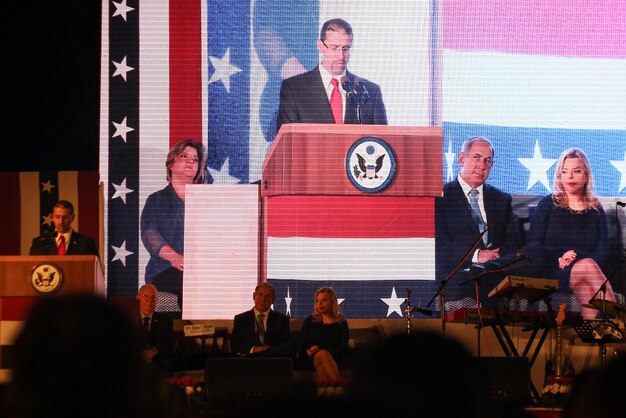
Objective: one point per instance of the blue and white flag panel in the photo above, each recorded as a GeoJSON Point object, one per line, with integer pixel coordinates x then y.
{"type": "Point", "coordinates": [525, 158]}
{"type": "Point", "coordinates": [535, 92]}
{"type": "Point", "coordinates": [364, 299]}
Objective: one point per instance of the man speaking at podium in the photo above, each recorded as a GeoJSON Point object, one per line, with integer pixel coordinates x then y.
{"type": "Point", "coordinates": [468, 207]}
{"type": "Point", "coordinates": [329, 93]}
{"type": "Point", "coordinates": [63, 240]}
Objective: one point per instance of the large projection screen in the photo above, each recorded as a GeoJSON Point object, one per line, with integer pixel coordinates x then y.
{"type": "Point", "coordinates": [535, 77]}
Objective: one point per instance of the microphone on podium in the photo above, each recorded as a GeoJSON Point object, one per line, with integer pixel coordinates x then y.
{"type": "Point", "coordinates": [362, 93]}
{"type": "Point", "coordinates": [346, 84]}
{"type": "Point", "coordinates": [49, 235]}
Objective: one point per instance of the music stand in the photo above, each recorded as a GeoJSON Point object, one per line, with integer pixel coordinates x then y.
{"type": "Point", "coordinates": [603, 331]}
{"type": "Point", "coordinates": [599, 331]}
{"type": "Point", "coordinates": [602, 287]}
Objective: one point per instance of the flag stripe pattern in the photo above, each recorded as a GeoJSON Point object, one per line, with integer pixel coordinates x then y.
{"type": "Point", "coordinates": [367, 246]}
{"type": "Point", "coordinates": [13, 311]}
{"type": "Point", "coordinates": [589, 28]}
{"type": "Point", "coordinates": [184, 75]}
{"type": "Point", "coordinates": [350, 216]}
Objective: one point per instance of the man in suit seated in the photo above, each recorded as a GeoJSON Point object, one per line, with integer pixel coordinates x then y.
{"type": "Point", "coordinates": [63, 240]}
{"type": "Point", "coordinates": [157, 332]}
{"type": "Point", "coordinates": [467, 207]}
{"type": "Point", "coordinates": [318, 97]}
{"type": "Point", "coordinates": [262, 331]}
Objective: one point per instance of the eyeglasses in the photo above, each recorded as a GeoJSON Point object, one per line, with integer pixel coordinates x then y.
{"type": "Point", "coordinates": [337, 48]}
{"type": "Point", "coordinates": [188, 158]}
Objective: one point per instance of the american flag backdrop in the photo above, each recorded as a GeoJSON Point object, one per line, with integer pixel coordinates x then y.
{"type": "Point", "coordinates": [535, 77]}
{"type": "Point", "coordinates": [211, 71]}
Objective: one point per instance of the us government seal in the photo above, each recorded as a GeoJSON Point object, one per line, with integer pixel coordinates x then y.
{"type": "Point", "coordinates": [370, 164]}
{"type": "Point", "coordinates": [46, 278]}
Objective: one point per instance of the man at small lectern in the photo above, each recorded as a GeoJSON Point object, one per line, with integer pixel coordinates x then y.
{"type": "Point", "coordinates": [63, 240]}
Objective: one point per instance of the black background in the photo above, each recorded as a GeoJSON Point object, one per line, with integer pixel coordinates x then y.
{"type": "Point", "coordinates": [50, 85]}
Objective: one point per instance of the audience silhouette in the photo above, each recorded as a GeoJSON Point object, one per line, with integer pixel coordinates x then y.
{"type": "Point", "coordinates": [79, 356]}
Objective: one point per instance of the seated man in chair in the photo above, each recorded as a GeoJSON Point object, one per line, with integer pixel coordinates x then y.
{"type": "Point", "coordinates": [157, 333]}
{"type": "Point", "coordinates": [262, 331]}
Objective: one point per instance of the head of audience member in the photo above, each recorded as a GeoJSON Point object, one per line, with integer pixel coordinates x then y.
{"type": "Point", "coordinates": [147, 297]}
{"type": "Point", "coordinates": [77, 356]}
{"type": "Point", "coordinates": [424, 372]}
{"type": "Point", "coordinates": [264, 297]}
{"type": "Point", "coordinates": [63, 216]}
{"type": "Point", "coordinates": [599, 392]}
{"type": "Point", "coordinates": [326, 304]}
{"type": "Point", "coordinates": [335, 45]}
{"type": "Point", "coordinates": [476, 159]}
{"type": "Point", "coordinates": [186, 159]}
{"type": "Point", "coordinates": [573, 179]}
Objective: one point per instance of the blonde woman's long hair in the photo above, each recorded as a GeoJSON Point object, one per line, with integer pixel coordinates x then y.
{"type": "Point", "coordinates": [337, 316]}
{"type": "Point", "coordinates": [559, 197]}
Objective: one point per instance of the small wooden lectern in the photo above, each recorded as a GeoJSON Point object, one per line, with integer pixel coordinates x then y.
{"type": "Point", "coordinates": [24, 279]}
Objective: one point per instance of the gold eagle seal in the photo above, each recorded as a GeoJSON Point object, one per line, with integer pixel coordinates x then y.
{"type": "Point", "coordinates": [46, 278]}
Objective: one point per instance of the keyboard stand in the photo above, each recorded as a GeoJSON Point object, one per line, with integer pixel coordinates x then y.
{"type": "Point", "coordinates": [546, 322]}
{"type": "Point", "coordinates": [499, 327]}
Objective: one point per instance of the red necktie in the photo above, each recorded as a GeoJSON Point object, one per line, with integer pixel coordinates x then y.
{"type": "Point", "coordinates": [335, 102]}
{"type": "Point", "coordinates": [61, 247]}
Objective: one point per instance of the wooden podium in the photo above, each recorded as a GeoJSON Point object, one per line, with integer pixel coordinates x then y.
{"type": "Point", "coordinates": [309, 159]}
{"type": "Point", "coordinates": [323, 223]}
{"type": "Point", "coordinates": [81, 274]}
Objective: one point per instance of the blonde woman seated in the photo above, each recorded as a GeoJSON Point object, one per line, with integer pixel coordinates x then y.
{"type": "Point", "coordinates": [324, 337]}
{"type": "Point", "coordinates": [568, 231]}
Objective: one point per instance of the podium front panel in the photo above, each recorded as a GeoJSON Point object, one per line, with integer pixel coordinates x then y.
{"type": "Point", "coordinates": [311, 159]}
{"type": "Point", "coordinates": [81, 274]}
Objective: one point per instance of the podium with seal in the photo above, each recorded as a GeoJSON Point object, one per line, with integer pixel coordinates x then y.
{"type": "Point", "coordinates": [23, 279]}
{"type": "Point", "coordinates": [349, 204]}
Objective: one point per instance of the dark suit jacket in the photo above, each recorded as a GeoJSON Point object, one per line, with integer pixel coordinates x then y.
{"type": "Point", "coordinates": [160, 337]}
{"type": "Point", "coordinates": [79, 245]}
{"type": "Point", "coordinates": [277, 334]}
{"type": "Point", "coordinates": [303, 99]}
{"type": "Point", "coordinates": [456, 231]}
